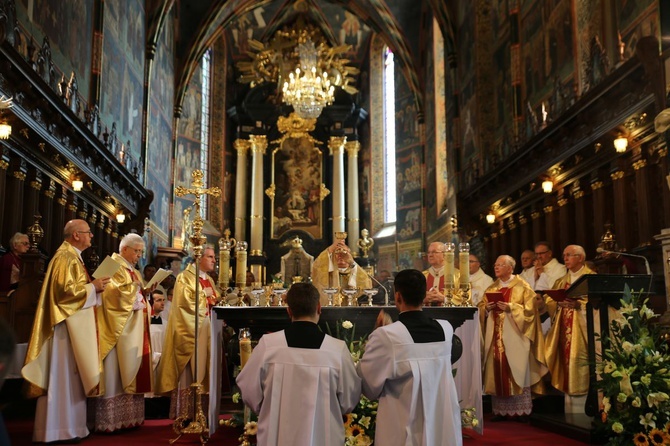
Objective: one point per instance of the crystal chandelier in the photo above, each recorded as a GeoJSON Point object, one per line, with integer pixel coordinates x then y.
{"type": "Point", "coordinates": [306, 90]}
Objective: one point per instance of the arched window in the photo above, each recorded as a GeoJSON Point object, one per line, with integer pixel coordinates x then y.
{"type": "Point", "coordinates": [205, 77]}
{"type": "Point", "coordinates": [389, 138]}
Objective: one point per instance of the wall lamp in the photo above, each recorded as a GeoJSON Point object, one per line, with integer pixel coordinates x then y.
{"type": "Point", "coordinates": [547, 186]}
{"type": "Point", "coordinates": [77, 185]}
{"type": "Point", "coordinates": [120, 217]}
{"type": "Point", "coordinates": [490, 218]}
{"type": "Point", "coordinates": [621, 144]}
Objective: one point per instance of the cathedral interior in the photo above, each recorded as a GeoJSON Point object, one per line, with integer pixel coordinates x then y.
{"type": "Point", "coordinates": [508, 122]}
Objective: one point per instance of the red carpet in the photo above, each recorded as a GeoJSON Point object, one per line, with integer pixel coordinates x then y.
{"type": "Point", "coordinates": [159, 432]}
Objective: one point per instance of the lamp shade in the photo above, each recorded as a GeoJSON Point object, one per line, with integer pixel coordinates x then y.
{"type": "Point", "coordinates": [547, 186]}
{"type": "Point", "coordinates": [77, 185]}
{"type": "Point", "coordinates": [621, 144]}
{"type": "Point", "coordinates": [5, 130]}
{"type": "Point", "coordinates": [120, 217]}
{"type": "Point", "coordinates": [490, 218]}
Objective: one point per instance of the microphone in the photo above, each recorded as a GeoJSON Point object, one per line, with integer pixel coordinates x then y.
{"type": "Point", "coordinates": [646, 262]}
{"type": "Point", "coordinates": [386, 293]}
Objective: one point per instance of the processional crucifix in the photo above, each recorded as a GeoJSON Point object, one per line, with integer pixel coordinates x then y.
{"type": "Point", "coordinates": [197, 424]}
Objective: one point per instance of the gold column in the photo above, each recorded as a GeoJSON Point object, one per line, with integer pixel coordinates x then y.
{"type": "Point", "coordinates": [258, 145]}
{"type": "Point", "coordinates": [353, 222]}
{"type": "Point", "coordinates": [242, 146]}
{"type": "Point", "coordinates": [336, 146]}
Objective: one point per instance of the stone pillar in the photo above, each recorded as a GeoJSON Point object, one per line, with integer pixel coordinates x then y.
{"type": "Point", "coordinates": [258, 145]}
{"type": "Point", "coordinates": [336, 146]}
{"type": "Point", "coordinates": [241, 146]}
{"type": "Point", "coordinates": [353, 222]}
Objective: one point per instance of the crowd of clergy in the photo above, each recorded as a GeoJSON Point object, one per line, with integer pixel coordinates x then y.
{"type": "Point", "coordinates": [406, 364]}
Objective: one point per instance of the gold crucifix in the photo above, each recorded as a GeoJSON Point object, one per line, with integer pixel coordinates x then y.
{"type": "Point", "coordinates": [197, 190]}
{"type": "Point", "coordinates": [197, 422]}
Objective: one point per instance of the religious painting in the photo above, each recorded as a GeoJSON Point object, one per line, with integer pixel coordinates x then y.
{"type": "Point", "coordinates": [409, 223]}
{"type": "Point", "coordinates": [297, 179]}
{"type": "Point", "coordinates": [160, 206]}
{"type": "Point", "coordinates": [122, 84]}
{"type": "Point", "coordinates": [534, 54]}
{"type": "Point", "coordinates": [64, 23]}
{"type": "Point", "coordinates": [406, 126]}
{"type": "Point", "coordinates": [248, 26]}
{"type": "Point", "coordinates": [191, 115]}
{"type": "Point", "coordinates": [408, 175]}
{"type": "Point", "coordinates": [159, 147]}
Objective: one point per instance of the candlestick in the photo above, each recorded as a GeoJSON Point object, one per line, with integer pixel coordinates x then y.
{"type": "Point", "coordinates": [397, 255]}
{"type": "Point", "coordinates": [241, 264]}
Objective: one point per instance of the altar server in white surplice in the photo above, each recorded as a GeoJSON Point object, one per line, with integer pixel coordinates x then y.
{"type": "Point", "coordinates": [407, 366]}
{"type": "Point", "coordinates": [299, 380]}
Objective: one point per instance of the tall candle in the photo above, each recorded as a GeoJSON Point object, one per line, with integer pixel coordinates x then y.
{"type": "Point", "coordinates": [397, 255]}
{"type": "Point", "coordinates": [224, 268]}
{"type": "Point", "coordinates": [464, 262]}
{"type": "Point", "coordinates": [241, 265]}
{"type": "Point", "coordinates": [449, 268]}
{"type": "Point", "coordinates": [245, 346]}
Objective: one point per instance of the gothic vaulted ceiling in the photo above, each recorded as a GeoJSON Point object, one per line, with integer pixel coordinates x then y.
{"type": "Point", "coordinates": [398, 22]}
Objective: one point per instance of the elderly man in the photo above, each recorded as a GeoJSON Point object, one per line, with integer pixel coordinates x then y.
{"type": "Point", "coordinates": [10, 263]}
{"type": "Point", "coordinates": [513, 344]}
{"type": "Point", "coordinates": [302, 372]}
{"type": "Point", "coordinates": [479, 280]}
{"type": "Point", "coordinates": [125, 346]}
{"type": "Point", "coordinates": [335, 268]}
{"type": "Point", "coordinates": [435, 281]}
{"type": "Point", "coordinates": [566, 342]}
{"type": "Point", "coordinates": [407, 366]}
{"type": "Point", "coordinates": [547, 270]}
{"type": "Point", "coordinates": [527, 265]}
{"type": "Point", "coordinates": [62, 363]}
{"type": "Point", "coordinates": [176, 368]}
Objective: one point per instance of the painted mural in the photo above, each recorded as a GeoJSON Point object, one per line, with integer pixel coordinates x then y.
{"type": "Point", "coordinates": [159, 142]}
{"type": "Point", "coordinates": [121, 95]}
{"type": "Point", "coordinates": [187, 156]}
{"type": "Point", "coordinates": [63, 22]}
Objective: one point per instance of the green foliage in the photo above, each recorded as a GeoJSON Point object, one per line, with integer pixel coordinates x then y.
{"type": "Point", "coordinates": [635, 378]}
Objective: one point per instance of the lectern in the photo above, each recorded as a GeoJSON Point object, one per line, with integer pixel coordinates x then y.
{"type": "Point", "coordinates": [603, 291]}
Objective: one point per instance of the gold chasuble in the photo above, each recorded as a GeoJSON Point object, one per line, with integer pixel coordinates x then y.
{"type": "Point", "coordinates": [180, 333]}
{"type": "Point", "coordinates": [323, 278]}
{"type": "Point", "coordinates": [62, 298]}
{"type": "Point", "coordinates": [126, 329]}
{"type": "Point", "coordinates": [514, 345]}
{"type": "Point", "coordinates": [566, 342]}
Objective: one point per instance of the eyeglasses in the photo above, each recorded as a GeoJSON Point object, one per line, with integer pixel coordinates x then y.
{"type": "Point", "coordinates": [473, 261]}
{"type": "Point", "coordinates": [435, 252]}
{"type": "Point", "coordinates": [24, 243]}
{"type": "Point", "coordinates": [541, 253]}
{"type": "Point", "coordinates": [85, 232]}
{"type": "Point", "coordinates": [571, 255]}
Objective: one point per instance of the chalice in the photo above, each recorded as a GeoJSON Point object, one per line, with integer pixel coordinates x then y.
{"type": "Point", "coordinates": [350, 293]}
{"type": "Point", "coordinates": [330, 292]}
{"type": "Point", "coordinates": [280, 292]}
{"type": "Point", "coordinates": [370, 292]}
{"type": "Point", "coordinates": [256, 294]}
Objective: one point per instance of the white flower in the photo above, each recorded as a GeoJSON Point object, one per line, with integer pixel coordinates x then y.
{"type": "Point", "coordinates": [365, 422]}
{"type": "Point", "coordinates": [654, 398]}
{"type": "Point", "coordinates": [628, 347]}
{"type": "Point", "coordinates": [251, 428]}
{"type": "Point", "coordinates": [347, 325]}
{"type": "Point", "coordinates": [236, 397]}
{"type": "Point", "coordinates": [636, 402]}
{"type": "Point", "coordinates": [646, 379]}
{"type": "Point", "coordinates": [609, 367]}
{"type": "Point", "coordinates": [647, 313]}
{"type": "Point", "coordinates": [621, 397]}
{"type": "Point", "coordinates": [617, 427]}
{"type": "Point", "coordinates": [648, 420]}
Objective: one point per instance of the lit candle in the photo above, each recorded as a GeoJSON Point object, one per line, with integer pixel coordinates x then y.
{"type": "Point", "coordinates": [449, 264]}
{"type": "Point", "coordinates": [245, 346]}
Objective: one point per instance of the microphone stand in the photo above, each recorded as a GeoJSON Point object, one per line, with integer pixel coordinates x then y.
{"type": "Point", "coordinates": [386, 294]}
{"type": "Point", "coordinates": [646, 262]}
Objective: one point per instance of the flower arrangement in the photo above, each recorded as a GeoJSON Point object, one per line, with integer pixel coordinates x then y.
{"type": "Point", "coordinates": [635, 378]}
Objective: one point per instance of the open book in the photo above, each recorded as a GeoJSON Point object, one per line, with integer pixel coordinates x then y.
{"type": "Point", "coordinates": [495, 296]}
{"type": "Point", "coordinates": [558, 295]}
{"type": "Point", "coordinates": [160, 275]}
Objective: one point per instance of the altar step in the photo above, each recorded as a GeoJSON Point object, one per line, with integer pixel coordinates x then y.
{"type": "Point", "coordinates": [548, 414]}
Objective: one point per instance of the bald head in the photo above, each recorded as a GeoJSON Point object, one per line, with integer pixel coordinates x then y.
{"type": "Point", "coordinates": [78, 234]}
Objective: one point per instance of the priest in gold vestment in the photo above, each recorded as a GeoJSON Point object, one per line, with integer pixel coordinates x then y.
{"type": "Point", "coordinates": [176, 368]}
{"type": "Point", "coordinates": [435, 280]}
{"type": "Point", "coordinates": [335, 268]}
{"type": "Point", "coordinates": [125, 346]}
{"type": "Point", "coordinates": [513, 345]}
{"type": "Point", "coordinates": [63, 363]}
{"type": "Point", "coordinates": [566, 342]}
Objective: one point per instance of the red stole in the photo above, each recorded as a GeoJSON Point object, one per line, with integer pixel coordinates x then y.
{"type": "Point", "coordinates": [430, 282]}
{"type": "Point", "coordinates": [211, 299]}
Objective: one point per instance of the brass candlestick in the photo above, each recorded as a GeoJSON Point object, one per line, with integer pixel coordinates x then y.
{"type": "Point", "coordinates": [197, 424]}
